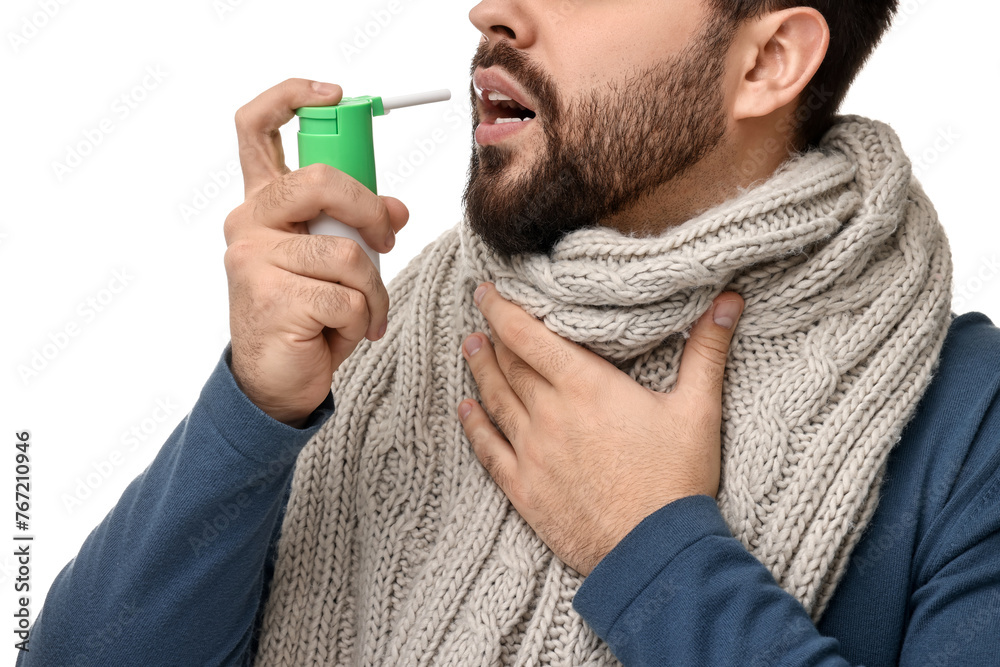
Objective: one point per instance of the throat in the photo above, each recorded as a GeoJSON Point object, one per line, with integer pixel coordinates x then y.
{"type": "Point", "coordinates": [707, 184]}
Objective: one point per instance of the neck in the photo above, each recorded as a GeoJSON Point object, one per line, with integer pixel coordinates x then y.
{"type": "Point", "coordinates": [734, 166]}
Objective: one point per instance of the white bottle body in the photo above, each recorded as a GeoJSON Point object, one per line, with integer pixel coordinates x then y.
{"type": "Point", "coordinates": [324, 224]}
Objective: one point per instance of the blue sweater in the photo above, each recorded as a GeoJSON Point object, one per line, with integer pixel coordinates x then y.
{"type": "Point", "coordinates": [177, 572]}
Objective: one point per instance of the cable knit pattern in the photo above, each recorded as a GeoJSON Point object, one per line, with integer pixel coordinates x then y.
{"type": "Point", "coordinates": [398, 549]}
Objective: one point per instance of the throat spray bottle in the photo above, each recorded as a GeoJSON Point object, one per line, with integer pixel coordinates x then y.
{"type": "Point", "coordinates": [341, 136]}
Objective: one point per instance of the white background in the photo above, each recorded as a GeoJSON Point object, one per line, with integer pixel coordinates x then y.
{"type": "Point", "coordinates": [63, 237]}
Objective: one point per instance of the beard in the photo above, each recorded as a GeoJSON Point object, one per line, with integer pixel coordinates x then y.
{"type": "Point", "coordinates": [601, 153]}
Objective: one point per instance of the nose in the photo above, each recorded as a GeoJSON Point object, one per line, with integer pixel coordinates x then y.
{"type": "Point", "coordinates": [508, 19]}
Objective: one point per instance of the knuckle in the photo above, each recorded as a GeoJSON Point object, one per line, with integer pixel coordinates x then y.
{"type": "Point", "coordinates": [353, 190]}
{"type": "Point", "coordinates": [554, 359]}
{"type": "Point", "coordinates": [239, 255]}
{"type": "Point", "coordinates": [503, 417]}
{"type": "Point", "coordinates": [520, 334]}
{"type": "Point", "coordinates": [305, 251]}
{"type": "Point", "coordinates": [318, 175]}
{"type": "Point", "coordinates": [231, 224]}
{"type": "Point", "coordinates": [240, 118]}
{"type": "Point", "coordinates": [269, 292]}
{"type": "Point", "coordinates": [380, 212]}
{"type": "Point", "coordinates": [519, 376]}
{"type": "Point", "coordinates": [327, 298]}
{"type": "Point", "coordinates": [549, 413]}
{"type": "Point", "coordinates": [377, 287]}
{"type": "Point", "coordinates": [276, 193]}
{"type": "Point", "coordinates": [579, 387]}
{"type": "Point", "coordinates": [356, 303]}
{"type": "Point", "coordinates": [350, 254]}
{"type": "Point", "coordinates": [712, 349]}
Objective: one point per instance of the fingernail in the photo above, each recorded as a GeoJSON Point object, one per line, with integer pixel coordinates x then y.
{"type": "Point", "coordinates": [480, 291]}
{"type": "Point", "coordinates": [324, 88]}
{"type": "Point", "coordinates": [381, 331]}
{"type": "Point", "coordinates": [390, 239]}
{"type": "Point", "coordinates": [463, 411]}
{"type": "Point", "coordinates": [726, 313]}
{"type": "Point", "coordinates": [473, 345]}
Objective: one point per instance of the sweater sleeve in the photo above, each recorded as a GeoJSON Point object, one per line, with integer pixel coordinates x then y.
{"type": "Point", "coordinates": [174, 574]}
{"type": "Point", "coordinates": [954, 614]}
{"type": "Point", "coordinates": [681, 590]}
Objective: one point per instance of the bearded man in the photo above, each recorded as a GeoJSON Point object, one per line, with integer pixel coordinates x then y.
{"type": "Point", "coordinates": [712, 405]}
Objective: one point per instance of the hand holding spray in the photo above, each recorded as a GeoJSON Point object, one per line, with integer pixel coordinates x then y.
{"type": "Point", "coordinates": [341, 136]}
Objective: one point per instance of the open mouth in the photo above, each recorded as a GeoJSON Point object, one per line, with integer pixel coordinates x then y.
{"type": "Point", "coordinates": [499, 108]}
{"type": "Point", "coordinates": [502, 114]}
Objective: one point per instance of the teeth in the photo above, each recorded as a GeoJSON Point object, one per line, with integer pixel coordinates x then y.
{"type": "Point", "coordinates": [510, 120]}
{"type": "Point", "coordinates": [498, 96]}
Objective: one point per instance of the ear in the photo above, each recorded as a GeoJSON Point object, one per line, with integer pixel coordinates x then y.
{"type": "Point", "coordinates": [780, 54]}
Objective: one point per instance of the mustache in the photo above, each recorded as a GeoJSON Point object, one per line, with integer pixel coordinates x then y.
{"type": "Point", "coordinates": [515, 63]}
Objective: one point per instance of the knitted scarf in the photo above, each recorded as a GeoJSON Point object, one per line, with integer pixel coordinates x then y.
{"type": "Point", "coordinates": [397, 547]}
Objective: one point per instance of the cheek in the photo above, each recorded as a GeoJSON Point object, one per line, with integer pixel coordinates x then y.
{"type": "Point", "coordinates": [597, 44]}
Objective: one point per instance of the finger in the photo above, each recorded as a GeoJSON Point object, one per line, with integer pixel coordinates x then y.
{"type": "Point", "coordinates": [522, 378]}
{"type": "Point", "coordinates": [498, 398]}
{"type": "Point", "coordinates": [335, 260]}
{"type": "Point", "coordinates": [328, 305]}
{"type": "Point", "coordinates": [703, 362]}
{"type": "Point", "coordinates": [258, 121]}
{"type": "Point", "coordinates": [491, 448]}
{"type": "Point", "coordinates": [552, 357]}
{"type": "Point", "coordinates": [340, 347]}
{"type": "Point", "coordinates": [398, 213]}
{"type": "Point", "coordinates": [302, 195]}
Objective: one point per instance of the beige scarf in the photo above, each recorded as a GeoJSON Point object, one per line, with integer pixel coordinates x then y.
{"type": "Point", "coordinates": [398, 549]}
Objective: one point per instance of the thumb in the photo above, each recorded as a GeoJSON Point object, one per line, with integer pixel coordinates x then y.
{"type": "Point", "coordinates": [703, 362]}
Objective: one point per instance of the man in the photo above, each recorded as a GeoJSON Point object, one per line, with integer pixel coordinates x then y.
{"type": "Point", "coordinates": [746, 429]}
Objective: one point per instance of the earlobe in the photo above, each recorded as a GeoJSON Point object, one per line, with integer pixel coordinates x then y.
{"type": "Point", "coordinates": [784, 51]}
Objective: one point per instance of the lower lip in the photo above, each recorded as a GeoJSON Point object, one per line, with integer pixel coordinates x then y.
{"type": "Point", "coordinates": [492, 133]}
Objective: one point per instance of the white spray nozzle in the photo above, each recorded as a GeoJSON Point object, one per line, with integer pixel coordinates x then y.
{"type": "Point", "coordinates": [390, 103]}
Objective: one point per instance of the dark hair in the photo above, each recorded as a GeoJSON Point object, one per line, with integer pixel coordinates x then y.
{"type": "Point", "coordinates": [856, 27]}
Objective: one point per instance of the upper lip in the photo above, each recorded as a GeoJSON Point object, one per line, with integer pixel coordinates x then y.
{"type": "Point", "coordinates": [496, 80]}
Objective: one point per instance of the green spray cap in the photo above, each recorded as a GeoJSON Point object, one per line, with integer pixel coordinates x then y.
{"type": "Point", "coordinates": [341, 135]}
